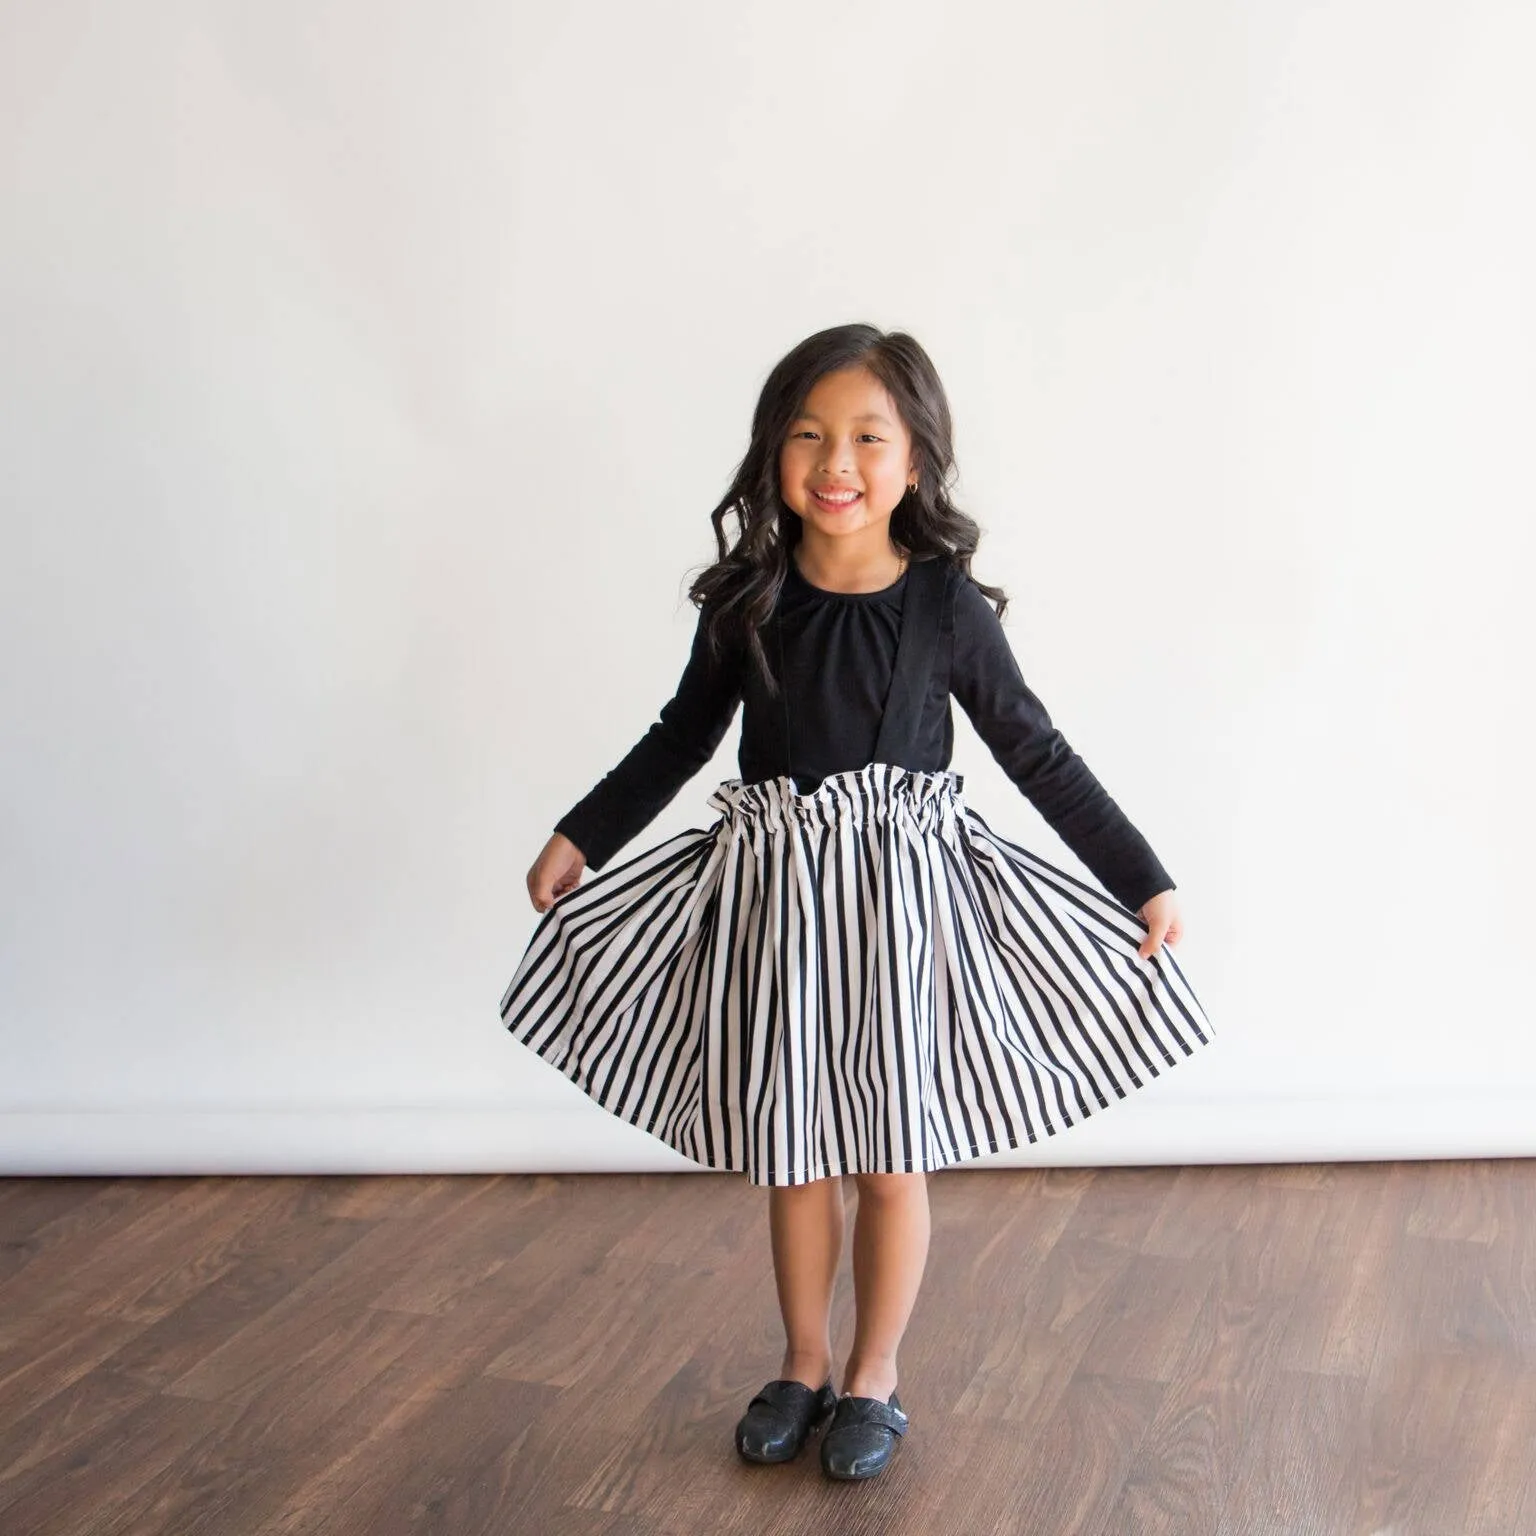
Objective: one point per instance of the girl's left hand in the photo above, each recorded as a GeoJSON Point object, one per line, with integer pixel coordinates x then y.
{"type": "Point", "coordinates": [1161, 915]}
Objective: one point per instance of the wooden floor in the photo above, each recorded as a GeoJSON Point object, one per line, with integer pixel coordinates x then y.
{"type": "Point", "coordinates": [1309, 1350]}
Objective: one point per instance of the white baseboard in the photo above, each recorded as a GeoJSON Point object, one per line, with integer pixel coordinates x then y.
{"type": "Point", "coordinates": [585, 1139]}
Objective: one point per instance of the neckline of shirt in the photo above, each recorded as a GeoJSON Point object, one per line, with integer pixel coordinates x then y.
{"type": "Point", "coordinates": [801, 579]}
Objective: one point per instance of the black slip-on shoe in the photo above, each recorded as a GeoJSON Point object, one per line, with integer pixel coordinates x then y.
{"type": "Point", "coordinates": [863, 1436]}
{"type": "Point", "coordinates": [779, 1420]}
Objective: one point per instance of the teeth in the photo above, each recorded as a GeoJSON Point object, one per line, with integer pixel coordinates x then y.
{"type": "Point", "coordinates": [846, 496]}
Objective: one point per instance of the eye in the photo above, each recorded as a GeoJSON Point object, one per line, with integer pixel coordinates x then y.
{"type": "Point", "coordinates": [807, 432]}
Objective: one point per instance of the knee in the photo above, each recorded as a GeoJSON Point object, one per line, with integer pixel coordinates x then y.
{"type": "Point", "coordinates": [827, 1189]}
{"type": "Point", "coordinates": [891, 1186]}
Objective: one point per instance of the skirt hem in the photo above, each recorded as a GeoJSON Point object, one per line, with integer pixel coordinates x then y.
{"type": "Point", "coordinates": [845, 1169]}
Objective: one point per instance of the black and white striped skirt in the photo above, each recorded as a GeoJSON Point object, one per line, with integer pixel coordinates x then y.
{"type": "Point", "coordinates": [860, 978]}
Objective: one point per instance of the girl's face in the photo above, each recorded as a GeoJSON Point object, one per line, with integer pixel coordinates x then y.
{"type": "Point", "coordinates": [849, 437]}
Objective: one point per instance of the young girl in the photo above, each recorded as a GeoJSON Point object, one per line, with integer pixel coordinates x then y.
{"type": "Point", "coordinates": [849, 972]}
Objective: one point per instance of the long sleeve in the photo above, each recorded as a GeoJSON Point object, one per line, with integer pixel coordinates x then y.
{"type": "Point", "coordinates": [691, 726]}
{"type": "Point", "coordinates": [1040, 761]}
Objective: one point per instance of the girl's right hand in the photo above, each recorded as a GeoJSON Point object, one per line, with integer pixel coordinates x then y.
{"type": "Point", "coordinates": [556, 870]}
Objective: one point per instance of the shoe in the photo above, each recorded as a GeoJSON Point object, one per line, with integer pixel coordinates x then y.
{"type": "Point", "coordinates": [862, 1438]}
{"type": "Point", "coordinates": [780, 1418]}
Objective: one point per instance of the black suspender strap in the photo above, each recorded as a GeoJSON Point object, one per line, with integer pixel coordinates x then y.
{"type": "Point", "coordinates": [922, 610]}
{"type": "Point", "coordinates": [786, 740]}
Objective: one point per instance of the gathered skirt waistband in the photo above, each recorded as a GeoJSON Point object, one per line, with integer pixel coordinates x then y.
{"type": "Point", "coordinates": [930, 800]}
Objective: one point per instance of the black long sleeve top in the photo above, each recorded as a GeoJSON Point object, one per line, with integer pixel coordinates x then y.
{"type": "Point", "coordinates": [839, 655]}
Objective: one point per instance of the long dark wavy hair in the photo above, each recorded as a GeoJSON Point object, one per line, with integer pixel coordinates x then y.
{"type": "Point", "coordinates": [742, 585]}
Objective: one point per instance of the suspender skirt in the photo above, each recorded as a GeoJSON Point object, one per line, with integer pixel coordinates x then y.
{"type": "Point", "coordinates": [861, 977]}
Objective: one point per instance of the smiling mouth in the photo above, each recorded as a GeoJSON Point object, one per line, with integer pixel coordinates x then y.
{"type": "Point", "coordinates": [838, 503]}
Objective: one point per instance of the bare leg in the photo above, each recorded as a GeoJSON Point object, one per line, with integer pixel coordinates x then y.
{"type": "Point", "coordinates": [890, 1248]}
{"type": "Point", "coordinates": [806, 1224]}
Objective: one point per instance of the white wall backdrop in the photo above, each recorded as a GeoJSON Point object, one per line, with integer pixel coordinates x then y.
{"type": "Point", "coordinates": [367, 374]}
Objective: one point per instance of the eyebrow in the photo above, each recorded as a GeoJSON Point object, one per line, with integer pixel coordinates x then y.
{"type": "Point", "coordinates": [867, 416]}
